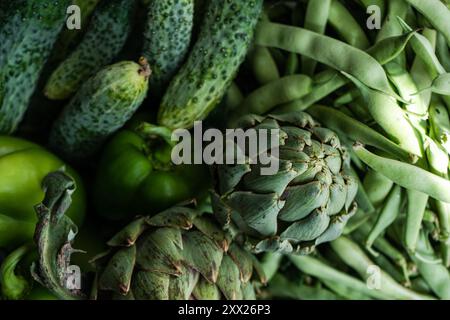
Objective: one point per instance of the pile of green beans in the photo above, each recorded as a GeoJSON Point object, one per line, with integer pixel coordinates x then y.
{"type": "Point", "coordinates": [386, 92]}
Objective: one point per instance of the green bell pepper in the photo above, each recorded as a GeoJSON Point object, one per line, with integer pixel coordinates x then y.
{"type": "Point", "coordinates": [136, 175]}
{"type": "Point", "coordinates": [23, 165]}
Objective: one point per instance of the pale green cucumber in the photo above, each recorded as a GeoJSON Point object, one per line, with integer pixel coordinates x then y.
{"type": "Point", "coordinates": [102, 106]}
{"type": "Point", "coordinates": [105, 37]}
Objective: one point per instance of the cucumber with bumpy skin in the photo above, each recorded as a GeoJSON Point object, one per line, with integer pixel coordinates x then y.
{"type": "Point", "coordinates": [102, 106]}
{"type": "Point", "coordinates": [105, 37]}
{"type": "Point", "coordinates": [222, 44]}
{"type": "Point", "coordinates": [167, 37]}
{"type": "Point", "coordinates": [69, 38]}
{"type": "Point", "coordinates": [28, 31]}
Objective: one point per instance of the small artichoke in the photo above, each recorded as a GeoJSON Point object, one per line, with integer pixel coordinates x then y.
{"type": "Point", "coordinates": [307, 202]}
{"type": "Point", "coordinates": [178, 254]}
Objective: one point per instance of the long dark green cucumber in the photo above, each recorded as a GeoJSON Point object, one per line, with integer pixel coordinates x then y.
{"type": "Point", "coordinates": [28, 31]}
{"type": "Point", "coordinates": [68, 39]}
{"type": "Point", "coordinates": [225, 35]}
{"type": "Point", "coordinates": [167, 38]}
{"type": "Point", "coordinates": [102, 105]}
{"type": "Point", "coordinates": [105, 37]}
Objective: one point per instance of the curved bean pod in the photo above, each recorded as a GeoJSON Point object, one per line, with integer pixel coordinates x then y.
{"type": "Point", "coordinates": [287, 88]}
{"type": "Point", "coordinates": [346, 26]}
{"type": "Point", "coordinates": [331, 52]}
{"type": "Point", "coordinates": [386, 217]}
{"type": "Point", "coordinates": [436, 13]}
{"type": "Point", "coordinates": [355, 258]}
{"type": "Point", "coordinates": [406, 175]}
{"type": "Point", "coordinates": [356, 131]}
{"type": "Point", "coordinates": [330, 80]}
{"type": "Point", "coordinates": [391, 117]}
{"type": "Point", "coordinates": [263, 65]}
{"type": "Point", "coordinates": [417, 202]}
{"type": "Point", "coordinates": [316, 18]}
{"type": "Point", "coordinates": [377, 187]}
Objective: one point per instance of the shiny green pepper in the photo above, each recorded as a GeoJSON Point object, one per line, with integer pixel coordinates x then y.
{"type": "Point", "coordinates": [23, 165]}
{"type": "Point", "coordinates": [137, 177]}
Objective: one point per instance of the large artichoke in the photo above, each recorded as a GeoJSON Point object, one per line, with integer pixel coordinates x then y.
{"type": "Point", "coordinates": [176, 254]}
{"type": "Point", "coordinates": [306, 203]}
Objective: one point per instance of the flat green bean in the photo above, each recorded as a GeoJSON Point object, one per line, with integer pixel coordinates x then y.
{"type": "Point", "coordinates": [391, 27]}
{"type": "Point", "coordinates": [233, 98]}
{"type": "Point", "coordinates": [385, 248]}
{"type": "Point", "coordinates": [322, 271]}
{"type": "Point", "coordinates": [439, 119]}
{"type": "Point", "coordinates": [356, 131]}
{"type": "Point", "coordinates": [263, 65]}
{"type": "Point", "coordinates": [391, 117]}
{"type": "Point", "coordinates": [283, 90]}
{"type": "Point", "coordinates": [347, 97]}
{"type": "Point", "coordinates": [442, 51]}
{"type": "Point", "coordinates": [316, 18]}
{"type": "Point", "coordinates": [331, 52]}
{"type": "Point", "coordinates": [422, 75]}
{"type": "Point", "coordinates": [406, 175]}
{"type": "Point", "coordinates": [436, 13]}
{"type": "Point", "coordinates": [435, 275]}
{"type": "Point", "coordinates": [386, 216]}
{"type": "Point", "coordinates": [440, 85]}
{"type": "Point", "coordinates": [377, 187]}
{"type": "Point", "coordinates": [292, 64]}
{"type": "Point", "coordinates": [355, 258]}
{"type": "Point", "coordinates": [330, 80]}
{"type": "Point", "coordinates": [346, 26]}
{"type": "Point", "coordinates": [424, 49]}
{"type": "Point", "coordinates": [407, 88]}
{"type": "Point", "coordinates": [416, 205]}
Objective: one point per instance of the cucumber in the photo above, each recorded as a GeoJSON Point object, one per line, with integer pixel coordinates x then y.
{"type": "Point", "coordinates": [28, 31]}
{"type": "Point", "coordinates": [167, 38]}
{"type": "Point", "coordinates": [105, 37]}
{"type": "Point", "coordinates": [68, 39]}
{"type": "Point", "coordinates": [102, 106]}
{"type": "Point", "coordinates": [222, 44]}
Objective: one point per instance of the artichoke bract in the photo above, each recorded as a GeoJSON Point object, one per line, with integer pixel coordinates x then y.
{"type": "Point", "coordinates": [178, 254]}
{"type": "Point", "coordinates": [307, 202]}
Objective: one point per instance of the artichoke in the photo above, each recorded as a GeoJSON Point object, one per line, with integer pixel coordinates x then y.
{"type": "Point", "coordinates": [307, 202]}
{"type": "Point", "coordinates": [178, 254]}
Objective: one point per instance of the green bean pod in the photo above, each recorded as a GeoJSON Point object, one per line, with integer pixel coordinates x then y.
{"type": "Point", "coordinates": [416, 205]}
{"type": "Point", "coordinates": [346, 26]}
{"type": "Point", "coordinates": [391, 26]}
{"type": "Point", "coordinates": [436, 13]}
{"type": "Point", "coordinates": [286, 89]}
{"type": "Point", "coordinates": [329, 81]}
{"type": "Point", "coordinates": [421, 73]}
{"type": "Point", "coordinates": [391, 117]}
{"type": "Point", "coordinates": [406, 175]}
{"type": "Point", "coordinates": [377, 187]}
{"type": "Point", "coordinates": [263, 65]}
{"type": "Point", "coordinates": [316, 18]}
{"type": "Point", "coordinates": [442, 51]}
{"type": "Point", "coordinates": [326, 50]}
{"type": "Point", "coordinates": [354, 257]}
{"type": "Point", "coordinates": [324, 272]}
{"type": "Point", "coordinates": [387, 215]}
{"type": "Point", "coordinates": [435, 275]}
{"type": "Point", "coordinates": [356, 130]}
